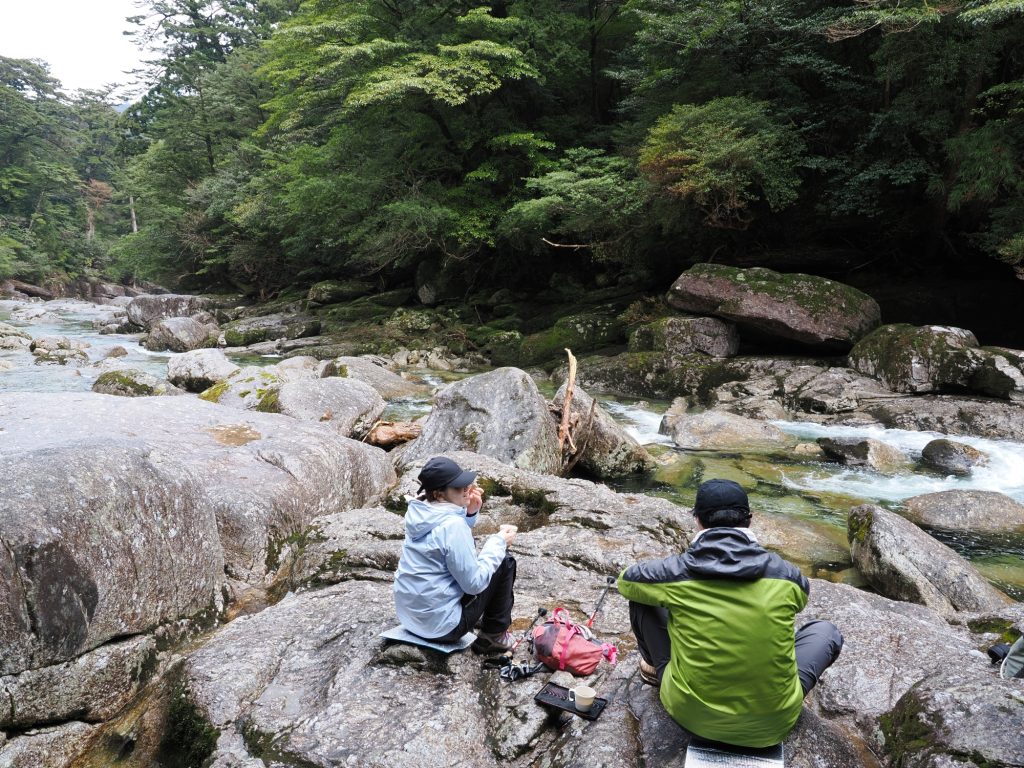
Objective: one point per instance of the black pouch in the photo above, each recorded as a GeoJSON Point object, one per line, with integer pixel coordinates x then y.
{"type": "Point", "coordinates": [998, 652]}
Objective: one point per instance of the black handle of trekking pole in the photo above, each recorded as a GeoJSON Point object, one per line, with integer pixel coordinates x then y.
{"type": "Point", "coordinates": [541, 613]}
{"type": "Point", "coordinates": [600, 602]}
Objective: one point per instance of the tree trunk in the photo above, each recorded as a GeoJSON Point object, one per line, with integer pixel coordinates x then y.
{"type": "Point", "coordinates": [131, 207]}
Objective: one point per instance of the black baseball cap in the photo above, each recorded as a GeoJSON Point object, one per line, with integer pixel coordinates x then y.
{"type": "Point", "coordinates": [441, 472]}
{"type": "Point", "coordinates": [714, 495]}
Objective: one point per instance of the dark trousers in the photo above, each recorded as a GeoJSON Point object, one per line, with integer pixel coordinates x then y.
{"type": "Point", "coordinates": [818, 643]}
{"type": "Point", "coordinates": [492, 608]}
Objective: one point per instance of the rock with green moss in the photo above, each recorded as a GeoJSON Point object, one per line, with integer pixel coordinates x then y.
{"type": "Point", "coordinates": [957, 717]}
{"type": "Point", "coordinates": [582, 332]}
{"type": "Point", "coordinates": [499, 414]}
{"type": "Point", "coordinates": [56, 746]}
{"type": "Point", "coordinates": [986, 512]}
{"type": "Point", "coordinates": [653, 374]}
{"type": "Point", "coordinates": [918, 360]}
{"type": "Point", "coordinates": [334, 291]}
{"type": "Point", "coordinates": [181, 334]}
{"type": "Point", "coordinates": [606, 450]}
{"type": "Point", "coordinates": [677, 336]}
{"type": "Point", "coordinates": [130, 382]}
{"type": "Point", "coordinates": [251, 330]}
{"type": "Point", "coordinates": [246, 389]}
{"type": "Point", "coordinates": [805, 309]}
{"type": "Point", "coordinates": [721, 431]}
{"type": "Point", "coordinates": [346, 405]}
{"type": "Point", "coordinates": [200, 369]}
{"type": "Point", "coordinates": [903, 562]}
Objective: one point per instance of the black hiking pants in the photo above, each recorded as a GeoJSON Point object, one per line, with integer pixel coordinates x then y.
{"type": "Point", "coordinates": [492, 608]}
{"type": "Point", "coordinates": [818, 643]}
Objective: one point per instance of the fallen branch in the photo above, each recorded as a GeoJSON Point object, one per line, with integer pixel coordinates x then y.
{"type": "Point", "coordinates": [563, 427]}
{"type": "Point", "coordinates": [586, 438]}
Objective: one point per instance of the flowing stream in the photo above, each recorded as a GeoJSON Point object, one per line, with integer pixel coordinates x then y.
{"type": "Point", "coordinates": [809, 498]}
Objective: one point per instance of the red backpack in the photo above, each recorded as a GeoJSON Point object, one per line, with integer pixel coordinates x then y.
{"type": "Point", "coordinates": [560, 643]}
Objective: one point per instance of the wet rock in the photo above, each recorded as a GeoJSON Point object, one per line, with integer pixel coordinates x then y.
{"type": "Point", "coordinates": [92, 687]}
{"type": "Point", "coordinates": [918, 360]}
{"type": "Point", "coordinates": [55, 747]}
{"type": "Point", "coordinates": [950, 415]}
{"type": "Point", "coordinates": [240, 333]}
{"type": "Point", "coordinates": [606, 450]}
{"type": "Point", "coordinates": [7, 331]}
{"type": "Point", "coordinates": [957, 717]}
{"type": "Point", "coordinates": [903, 562]}
{"type": "Point", "coordinates": [809, 310]}
{"type": "Point", "coordinates": [974, 511]}
{"type": "Point", "coordinates": [146, 309]}
{"type": "Point", "coordinates": [6, 365]}
{"type": "Point", "coordinates": [999, 374]}
{"type": "Point", "coordinates": [388, 384]}
{"type": "Point", "coordinates": [855, 452]}
{"type": "Point", "coordinates": [14, 342]}
{"type": "Point", "coordinates": [117, 351]}
{"type": "Point", "coordinates": [721, 431]}
{"type": "Point", "coordinates": [130, 382]}
{"type": "Point", "coordinates": [346, 405]}
{"type": "Point", "coordinates": [499, 414]}
{"type": "Point", "coordinates": [181, 334]}
{"type": "Point", "coordinates": [59, 350]}
{"type": "Point", "coordinates": [686, 335]}
{"type": "Point", "coordinates": [200, 369]}
{"type": "Point", "coordinates": [951, 457]}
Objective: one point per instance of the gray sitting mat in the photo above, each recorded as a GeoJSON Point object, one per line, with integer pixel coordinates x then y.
{"type": "Point", "coordinates": [701, 754]}
{"type": "Point", "coordinates": [400, 634]}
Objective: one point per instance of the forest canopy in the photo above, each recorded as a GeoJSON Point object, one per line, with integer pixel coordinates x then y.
{"type": "Point", "coordinates": [281, 143]}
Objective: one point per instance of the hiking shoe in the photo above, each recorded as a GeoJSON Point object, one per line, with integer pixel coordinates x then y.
{"type": "Point", "coordinates": [493, 643]}
{"type": "Point", "coordinates": [649, 674]}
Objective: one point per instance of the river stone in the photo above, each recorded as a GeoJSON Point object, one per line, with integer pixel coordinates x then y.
{"type": "Point", "coordinates": [72, 357]}
{"type": "Point", "coordinates": [905, 563]}
{"type": "Point", "coordinates": [969, 511]}
{"type": "Point", "coordinates": [117, 351]}
{"type": "Point", "coordinates": [389, 385]}
{"type": "Point", "coordinates": [957, 714]}
{"type": "Point", "coordinates": [976, 417]}
{"type": "Point", "coordinates": [200, 369]}
{"type": "Point", "coordinates": [1000, 373]}
{"type": "Point", "coordinates": [346, 405]}
{"type": "Point", "coordinates": [918, 360]}
{"type": "Point", "coordinates": [46, 344]}
{"type": "Point", "coordinates": [951, 457]}
{"type": "Point", "coordinates": [806, 309]}
{"type": "Point", "coordinates": [55, 747]}
{"type": "Point", "coordinates": [240, 333]}
{"type": "Point", "coordinates": [685, 335]}
{"type": "Point", "coordinates": [14, 342]}
{"type": "Point", "coordinates": [92, 687]}
{"type": "Point", "coordinates": [261, 477]}
{"type": "Point", "coordinates": [857, 452]}
{"type": "Point", "coordinates": [10, 331]}
{"type": "Point", "coordinates": [253, 388]}
{"type": "Point", "coordinates": [181, 334]}
{"type": "Point", "coordinates": [131, 382]}
{"type": "Point", "coordinates": [499, 414]}
{"type": "Point", "coordinates": [606, 450]}
{"type": "Point", "coordinates": [720, 431]}
{"type": "Point", "coordinates": [334, 291]}
{"type": "Point", "coordinates": [6, 365]}
{"type": "Point", "coordinates": [146, 309]}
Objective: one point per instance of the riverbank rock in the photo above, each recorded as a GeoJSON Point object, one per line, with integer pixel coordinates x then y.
{"type": "Point", "coordinates": [241, 333]}
{"type": "Point", "coordinates": [685, 335]}
{"type": "Point", "coordinates": [809, 310]}
{"type": "Point", "coordinates": [905, 563]}
{"type": "Point", "coordinates": [855, 452]}
{"type": "Point", "coordinates": [918, 360]}
{"type": "Point", "coordinates": [181, 334]}
{"type": "Point", "coordinates": [951, 457]}
{"type": "Point", "coordinates": [373, 371]}
{"type": "Point", "coordinates": [59, 350]}
{"type": "Point", "coordinates": [606, 451]}
{"type": "Point", "coordinates": [200, 369]}
{"type": "Point", "coordinates": [147, 309]}
{"type": "Point", "coordinates": [957, 718]}
{"type": "Point", "coordinates": [977, 417]}
{"type": "Point", "coordinates": [499, 414]}
{"type": "Point", "coordinates": [969, 511]}
{"type": "Point", "coordinates": [9, 331]}
{"type": "Point", "coordinates": [721, 431]}
{"type": "Point", "coordinates": [130, 382]}
{"type": "Point", "coordinates": [334, 291]}
{"type": "Point", "coordinates": [346, 405]}
{"type": "Point", "coordinates": [581, 332]}
{"type": "Point", "coordinates": [1000, 373]}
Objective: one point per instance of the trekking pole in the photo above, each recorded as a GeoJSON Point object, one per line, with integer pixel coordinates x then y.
{"type": "Point", "coordinates": [600, 602]}
{"type": "Point", "coordinates": [541, 613]}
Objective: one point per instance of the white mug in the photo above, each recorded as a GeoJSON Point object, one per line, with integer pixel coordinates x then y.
{"type": "Point", "coordinates": [582, 696]}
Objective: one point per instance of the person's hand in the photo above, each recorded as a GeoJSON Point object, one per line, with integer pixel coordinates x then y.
{"type": "Point", "coordinates": [508, 532]}
{"type": "Point", "coordinates": [476, 500]}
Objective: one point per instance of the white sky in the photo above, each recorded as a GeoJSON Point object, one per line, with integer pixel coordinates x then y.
{"type": "Point", "coordinates": [81, 40]}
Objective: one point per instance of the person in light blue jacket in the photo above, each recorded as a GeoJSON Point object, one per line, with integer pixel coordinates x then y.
{"type": "Point", "coordinates": [443, 587]}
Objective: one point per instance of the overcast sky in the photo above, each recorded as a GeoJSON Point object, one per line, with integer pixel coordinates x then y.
{"type": "Point", "coordinates": [81, 40]}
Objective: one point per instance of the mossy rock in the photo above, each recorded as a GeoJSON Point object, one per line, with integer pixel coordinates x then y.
{"type": "Point", "coordinates": [918, 359]}
{"type": "Point", "coordinates": [653, 374]}
{"type": "Point", "coordinates": [334, 291]}
{"type": "Point", "coordinates": [580, 332]}
{"type": "Point", "coordinates": [242, 333]}
{"type": "Point", "coordinates": [127, 382]}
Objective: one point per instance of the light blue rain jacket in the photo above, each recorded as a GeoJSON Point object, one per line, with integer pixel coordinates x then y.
{"type": "Point", "coordinates": [439, 564]}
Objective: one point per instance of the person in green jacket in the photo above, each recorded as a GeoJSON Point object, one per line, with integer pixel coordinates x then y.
{"type": "Point", "coordinates": [715, 628]}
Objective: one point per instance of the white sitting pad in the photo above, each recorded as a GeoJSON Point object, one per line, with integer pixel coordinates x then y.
{"type": "Point", "coordinates": [703, 755]}
{"type": "Point", "coordinates": [400, 634]}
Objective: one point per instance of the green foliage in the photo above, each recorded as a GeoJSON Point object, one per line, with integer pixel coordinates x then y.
{"type": "Point", "coordinates": [722, 156]}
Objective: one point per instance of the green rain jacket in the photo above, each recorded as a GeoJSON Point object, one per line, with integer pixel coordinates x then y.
{"type": "Point", "coordinates": [732, 676]}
